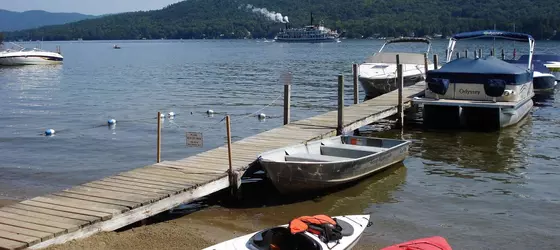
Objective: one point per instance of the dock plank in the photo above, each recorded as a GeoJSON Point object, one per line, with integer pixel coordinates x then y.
{"type": "Point", "coordinates": [6, 244]}
{"type": "Point", "coordinates": [44, 222]}
{"type": "Point", "coordinates": [28, 240]}
{"type": "Point", "coordinates": [128, 204]}
{"type": "Point", "coordinates": [82, 204]}
{"type": "Point", "coordinates": [41, 216]}
{"type": "Point", "coordinates": [25, 231]}
{"type": "Point", "coordinates": [133, 187]}
{"type": "Point", "coordinates": [102, 215]}
{"type": "Point", "coordinates": [143, 181]}
{"type": "Point", "coordinates": [32, 226]}
{"type": "Point", "coordinates": [126, 191]}
{"type": "Point", "coordinates": [142, 185]}
{"type": "Point", "coordinates": [86, 218]}
{"type": "Point", "coordinates": [102, 193]}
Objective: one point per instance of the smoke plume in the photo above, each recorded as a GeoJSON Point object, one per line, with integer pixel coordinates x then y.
{"type": "Point", "coordinates": [273, 16]}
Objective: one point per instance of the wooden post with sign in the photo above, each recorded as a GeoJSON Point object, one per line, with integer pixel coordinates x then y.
{"type": "Point", "coordinates": [158, 154]}
{"type": "Point", "coordinates": [340, 123]}
{"type": "Point", "coordinates": [355, 75]}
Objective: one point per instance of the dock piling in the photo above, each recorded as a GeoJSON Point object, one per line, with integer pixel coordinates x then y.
{"type": "Point", "coordinates": [158, 154]}
{"type": "Point", "coordinates": [479, 53]}
{"type": "Point", "coordinates": [287, 97]}
{"type": "Point", "coordinates": [425, 64]}
{"type": "Point", "coordinates": [232, 175]}
{"type": "Point", "coordinates": [400, 105]}
{"type": "Point", "coordinates": [340, 123]}
{"type": "Point", "coordinates": [435, 61]}
{"type": "Point", "coordinates": [474, 54]}
{"type": "Point", "coordinates": [466, 53]}
{"type": "Point", "coordinates": [355, 75]}
{"type": "Point", "coordinates": [503, 55]}
{"type": "Point", "coordinates": [458, 56]}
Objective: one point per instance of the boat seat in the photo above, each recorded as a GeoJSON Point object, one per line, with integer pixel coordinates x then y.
{"type": "Point", "coordinates": [349, 150]}
{"type": "Point", "coordinates": [314, 158]}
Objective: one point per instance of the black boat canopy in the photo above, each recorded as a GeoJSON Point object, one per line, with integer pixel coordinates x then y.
{"type": "Point", "coordinates": [493, 33]}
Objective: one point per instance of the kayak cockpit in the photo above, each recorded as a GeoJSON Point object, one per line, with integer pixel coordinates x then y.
{"type": "Point", "coordinates": [281, 238]}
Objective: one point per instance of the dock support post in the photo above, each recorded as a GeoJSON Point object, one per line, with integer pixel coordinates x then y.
{"type": "Point", "coordinates": [232, 176]}
{"type": "Point", "coordinates": [466, 53]}
{"type": "Point", "coordinates": [287, 96]}
{"type": "Point", "coordinates": [435, 61]}
{"type": "Point", "coordinates": [503, 55]}
{"type": "Point", "coordinates": [400, 108]}
{"type": "Point", "coordinates": [474, 54]}
{"type": "Point", "coordinates": [340, 124]}
{"type": "Point", "coordinates": [458, 55]}
{"type": "Point", "coordinates": [479, 53]}
{"type": "Point", "coordinates": [158, 154]}
{"type": "Point", "coordinates": [492, 52]}
{"type": "Point", "coordinates": [425, 64]}
{"type": "Point", "coordinates": [355, 75]}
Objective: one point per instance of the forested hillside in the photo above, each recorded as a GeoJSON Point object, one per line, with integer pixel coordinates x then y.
{"type": "Point", "coordinates": [358, 18]}
{"type": "Point", "coordinates": [10, 20]}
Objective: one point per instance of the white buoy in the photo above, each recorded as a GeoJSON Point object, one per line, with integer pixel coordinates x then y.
{"type": "Point", "coordinates": [210, 112]}
{"type": "Point", "coordinates": [162, 116]}
{"type": "Point", "coordinates": [49, 132]}
{"type": "Point", "coordinates": [171, 114]}
{"type": "Point", "coordinates": [262, 116]}
{"type": "Point", "coordinates": [111, 122]}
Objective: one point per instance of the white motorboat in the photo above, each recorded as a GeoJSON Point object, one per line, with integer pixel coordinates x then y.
{"type": "Point", "coordinates": [487, 92]}
{"type": "Point", "coordinates": [378, 74]}
{"type": "Point", "coordinates": [552, 62]}
{"type": "Point", "coordinates": [543, 79]}
{"type": "Point", "coordinates": [285, 237]}
{"type": "Point", "coordinates": [24, 56]}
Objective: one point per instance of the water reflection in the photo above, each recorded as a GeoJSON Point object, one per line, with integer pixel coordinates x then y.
{"type": "Point", "coordinates": [472, 155]}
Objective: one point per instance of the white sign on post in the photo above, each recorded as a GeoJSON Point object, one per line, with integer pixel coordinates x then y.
{"type": "Point", "coordinates": [286, 78]}
{"type": "Point", "coordinates": [194, 139]}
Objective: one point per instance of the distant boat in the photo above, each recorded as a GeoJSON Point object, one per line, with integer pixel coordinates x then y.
{"type": "Point", "coordinates": [24, 56]}
{"type": "Point", "coordinates": [308, 34]}
{"type": "Point", "coordinates": [116, 47]}
{"type": "Point", "coordinates": [327, 163]}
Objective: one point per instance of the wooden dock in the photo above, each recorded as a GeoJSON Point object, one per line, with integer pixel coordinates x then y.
{"type": "Point", "coordinates": [116, 201]}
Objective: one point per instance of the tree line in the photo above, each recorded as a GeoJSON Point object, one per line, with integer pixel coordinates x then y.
{"type": "Point", "coordinates": [214, 19]}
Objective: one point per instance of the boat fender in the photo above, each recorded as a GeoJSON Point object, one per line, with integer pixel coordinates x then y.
{"type": "Point", "coordinates": [438, 85]}
{"type": "Point", "coordinates": [495, 87]}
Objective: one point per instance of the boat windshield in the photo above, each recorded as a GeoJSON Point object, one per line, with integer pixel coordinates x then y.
{"type": "Point", "coordinates": [391, 58]}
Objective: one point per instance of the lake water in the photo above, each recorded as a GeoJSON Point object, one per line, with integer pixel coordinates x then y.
{"type": "Point", "coordinates": [496, 190]}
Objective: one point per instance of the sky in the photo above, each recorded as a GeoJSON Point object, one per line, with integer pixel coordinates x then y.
{"type": "Point", "coordinates": [92, 7]}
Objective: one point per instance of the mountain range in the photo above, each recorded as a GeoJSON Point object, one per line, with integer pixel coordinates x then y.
{"type": "Point", "coordinates": [11, 20]}
{"type": "Point", "coordinates": [357, 18]}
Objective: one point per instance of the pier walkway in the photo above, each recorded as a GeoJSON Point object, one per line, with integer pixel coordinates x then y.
{"type": "Point", "coordinates": [116, 201]}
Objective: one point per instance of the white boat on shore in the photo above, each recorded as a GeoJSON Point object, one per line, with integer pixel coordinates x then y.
{"type": "Point", "coordinates": [486, 92]}
{"type": "Point", "coordinates": [285, 237]}
{"type": "Point", "coordinates": [378, 74]}
{"type": "Point", "coordinates": [330, 162]}
{"type": "Point", "coordinates": [24, 56]}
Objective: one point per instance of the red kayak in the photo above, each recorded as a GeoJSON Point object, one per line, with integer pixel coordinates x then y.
{"type": "Point", "coordinates": [431, 243]}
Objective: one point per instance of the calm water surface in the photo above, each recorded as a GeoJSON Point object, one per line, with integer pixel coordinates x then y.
{"type": "Point", "coordinates": [494, 190]}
